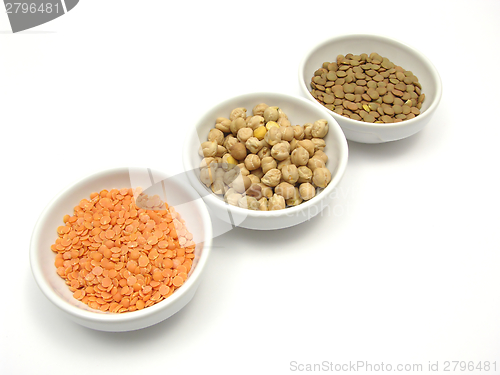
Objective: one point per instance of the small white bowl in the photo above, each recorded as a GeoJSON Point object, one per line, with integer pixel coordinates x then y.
{"type": "Point", "coordinates": [183, 198]}
{"type": "Point", "coordinates": [399, 53]}
{"type": "Point", "coordinates": [299, 112]}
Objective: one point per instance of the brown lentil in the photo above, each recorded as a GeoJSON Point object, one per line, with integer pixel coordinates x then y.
{"type": "Point", "coordinates": [368, 79]}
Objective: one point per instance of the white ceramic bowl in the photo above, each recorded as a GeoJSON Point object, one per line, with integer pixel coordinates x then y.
{"type": "Point", "coordinates": [399, 53]}
{"type": "Point", "coordinates": [299, 111]}
{"type": "Point", "coordinates": [183, 198]}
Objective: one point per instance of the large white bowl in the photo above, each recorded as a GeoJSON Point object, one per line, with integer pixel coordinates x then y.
{"type": "Point", "coordinates": [299, 111]}
{"type": "Point", "coordinates": [399, 53]}
{"type": "Point", "coordinates": [183, 198]}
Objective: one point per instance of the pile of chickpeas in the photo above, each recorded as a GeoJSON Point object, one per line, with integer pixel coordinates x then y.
{"type": "Point", "coordinates": [262, 161]}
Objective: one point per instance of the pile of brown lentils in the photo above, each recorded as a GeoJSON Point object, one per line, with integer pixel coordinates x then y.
{"type": "Point", "coordinates": [262, 162]}
{"type": "Point", "coordinates": [368, 88]}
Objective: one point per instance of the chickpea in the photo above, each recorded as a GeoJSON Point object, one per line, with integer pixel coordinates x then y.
{"type": "Point", "coordinates": [264, 152]}
{"type": "Point", "coordinates": [229, 141]}
{"type": "Point", "coordinates": [300, 156]}
{"type": "Point", "coordinates": [238, 151]}
{"type": "Point", "coordinates": [259, 109]}
{"type": "Point", "coordinates": [272, 124]}
{"type": "Point", "coordinates": [238, 113]}
{"type": "Point", "coordinates": [248, 202]}
{"type": "Point", "coordinates": [216, 135]}
{"type": "Point", "coordinates": [228, 162]}
{"type": "Point", "coordinates": [281, 150]}
{"type": "Point", "coordinates": [243, 134]}
{"type": "Point", "coordinates": [206, 162]}
{"type": "Point", "coordinates": [230, 176]}
{"type": "Point", "coordinates": [254, 178]}
{"type": "Point", "coordinates": [218, 187]}
{"type": "Point", "coordinates": [223, 124]}
{"type": "Point", "coordinates": [308, 130]}
{"type": "Point", "coordinates": [285, 189]}
{"type": "Point", "coordinates": [241, 184]}
{"type": "Point", "coordinates": [319, 144]}
{"type": "Point", "coordinates": [281, 114]}
{"type": "Point", "coordinates": [254, 145]}
{"type": "Point", "coordinates": [267, 191]}
{"type": "Point", "coordinates": [263, 204]}
{"type": "Point", "coordinates": [308, 145]}
{"type": "Point", "coordinates": [272, 177]}
{"type": "Point", "coordinates": [321, 155]}
{"type": "Point", "coordinates": [290, 174]}
{"type": "Point", "coordinates": [315, 163]}
{"type": "Point", "coordinates": [215, 165]}
{"type": "Point", "coordinates": [284, 122]}
{"type": "Point", "coordinates": [276, 202]}
{"type": "Point", "coordinates": [221, 151]}
{"type": "Point", "coordinates": [273, 136]}
{"type": "Point", "coordinates": [237, 124]}
{"type": "Point", "coordinates": [285, 162]}
{"type": "Point", "coordinates": [243, 170]}
{"type": "Point", "coordinates": [279, 165]}
{"type": "Point", "coordinates": [305, 174]}
{"type": "Point", "coordinates": [298, 132]}
{"type": "Point", "coordinates": [219, 174]}
{"type": "Point", "coordinates": [321, 177]}
{"type": "Point", "coordinates": [260, 132]}
{"type": "Point", "coordinates": [208, 149]}
{"type": "Point", "coordinates": [296, 199]}
{"type": "Point", "coordinates": [267, 163]}
{"type": "Point", "coordinates": [293, 144]}
{"type": "Point", "coordinates": [252, 162]}
{"type": "Point", "coordinates": [271, 114]}
{"type": "Point", "coordinates": [307, 191]}
{"type": "Point", "coordinates": [319, 129]}
{"type": "Point", "coordinates": [254, 191]}
{"type": "Point", "coordinates": [255, 122]}
{"type": "Point", "coordinates": [258, 172]}
{"type": "Point", "coordinates": [229, 191]}
{"type": "Point", "coordinates": [207, 176]}
{"type": "Point", "coordinates": [233, 199]}
{"type": "Point", "coordinates": [286, 133]}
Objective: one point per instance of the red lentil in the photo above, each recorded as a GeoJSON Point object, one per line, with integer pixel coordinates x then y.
{"type": "Point", "coordinates": [118, 254]}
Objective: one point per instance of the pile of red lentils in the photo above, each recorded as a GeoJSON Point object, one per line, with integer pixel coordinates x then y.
{"type": "Point", "coordinates": [120, 254]}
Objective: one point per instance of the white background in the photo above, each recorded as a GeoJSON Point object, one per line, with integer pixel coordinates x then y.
{"type": "Point", "coordinates": [404, 271]}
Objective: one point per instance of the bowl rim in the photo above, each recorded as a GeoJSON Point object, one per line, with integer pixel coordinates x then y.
{"type": "Point", "coordinates": [109, 318]}
{"type": "Point", "coordinates": [400, 44]}
{"type": "Point", "coordinates": [289, 211]}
